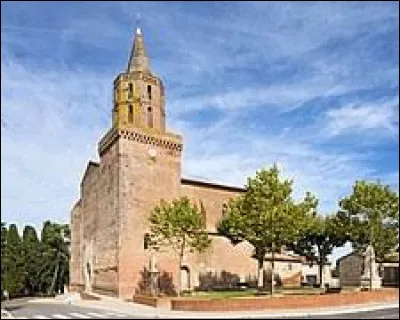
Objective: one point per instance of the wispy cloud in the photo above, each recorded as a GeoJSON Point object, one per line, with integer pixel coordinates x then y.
{"type": "Point", "coordinates": [357, 117]}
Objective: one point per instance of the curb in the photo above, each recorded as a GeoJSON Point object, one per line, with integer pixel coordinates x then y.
{"type": "Point", "coordinates": [6, 314]}
{"type": "Point", "coordinates": [164, 314]}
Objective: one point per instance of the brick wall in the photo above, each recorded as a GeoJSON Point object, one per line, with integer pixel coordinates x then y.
{"type": "Point", "coordinates": [105, 266]}
{"type": "Point", "coordinates": [76, 276]}
{"type": "Point", "coordinates": [143, 181]}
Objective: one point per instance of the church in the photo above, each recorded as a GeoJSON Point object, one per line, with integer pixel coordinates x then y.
{"type": "Point", "coordinates": [140, 164]}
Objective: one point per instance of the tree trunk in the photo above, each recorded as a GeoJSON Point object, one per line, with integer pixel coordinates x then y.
{"type": "Point", "coordinates": [180, 267]}
{"type": "Point", "coordinates": [53, 281]}
{"type": "Point", "coordinates": [260, 276]}
{"type": "Point", "coordinates": [321, 260]}
{"type": "Point", "coordinates": [320, 266]}
{"type": "Point", "coordinates": [272, 268]}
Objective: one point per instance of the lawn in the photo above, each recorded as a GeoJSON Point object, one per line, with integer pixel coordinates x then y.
{"type": "Point", "coordinates": [221, 294]}
{"type": "Point", "coordinates": [251, 293]}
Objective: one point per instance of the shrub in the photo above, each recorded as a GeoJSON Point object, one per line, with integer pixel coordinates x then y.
{"type": "Point", "coordinates": [218, 281]}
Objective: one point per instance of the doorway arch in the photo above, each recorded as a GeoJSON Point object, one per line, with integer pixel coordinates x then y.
{"type": "Point", "coordinates": [185, 278]}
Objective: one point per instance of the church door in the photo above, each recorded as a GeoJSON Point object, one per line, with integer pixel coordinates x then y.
{"type": "Point", "coordinates": [185, 278]}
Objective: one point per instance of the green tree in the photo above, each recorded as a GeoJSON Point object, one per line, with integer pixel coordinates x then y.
{"type": "Point", "coordinates": [371, 213]}
{"type": "Point", "coordinates": [14, 266]}
{"type": "Point", "coordinates": [267, 217]}
{"type": "Point", "coordinates": [32, 259]}
{"type": "Point", "coordinates": [4, 262]}
{"type": "Point", "coordinates": [55, 239]}
{"type": "Point", "coordinates": [323, 235]}
{"type": "Point", "coordinates": [179, 225]}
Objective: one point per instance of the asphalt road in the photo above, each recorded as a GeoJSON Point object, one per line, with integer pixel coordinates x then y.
{"type": "Point", "coordinates": [22, 309]}
{"type": "Point", "coordinates": [390, 313]}
{"type": "Point", "coordinates": [26, 310]}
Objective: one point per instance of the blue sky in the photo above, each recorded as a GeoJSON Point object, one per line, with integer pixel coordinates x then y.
{"type": "Point", "coordinates": [311, 86]}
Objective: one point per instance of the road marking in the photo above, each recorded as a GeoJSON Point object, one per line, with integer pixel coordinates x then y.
{"type": "Point", "coordinates": [40, 316]}
{"type": "Point", "coordinates": [120, 315]}
{"type": "Point", "coordinates": [60, 316]}
{"type": "Point", "coordinates": [79, 315]}
{"type": "Point", "coordinates": [97, 315]}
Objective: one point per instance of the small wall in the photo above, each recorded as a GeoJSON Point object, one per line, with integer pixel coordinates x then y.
{"type": "Point", "coordinates": [288, 302]}
{"type": "Point", "coordinates": [156, 302]}
{"type": "Point", "coordinates": [75, 287]}
{"type": "Point", "coordinates": [88, 296]}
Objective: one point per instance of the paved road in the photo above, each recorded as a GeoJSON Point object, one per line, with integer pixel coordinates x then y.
{"type": "Point", "coordinates": [23, 309]}
{"type": "Point", "coordinates": [390, 313]}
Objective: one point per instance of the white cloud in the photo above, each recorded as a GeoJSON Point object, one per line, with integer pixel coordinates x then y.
{"type": "Point", "coordinates": [361, 117]}
{"type": "Point", "coordinates": [51, 122]}
{"type": "Point", "coordinates": [229, 153]}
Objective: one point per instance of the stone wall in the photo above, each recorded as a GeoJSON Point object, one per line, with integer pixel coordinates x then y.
{"type": "Point", "coordinates": [350, 269]}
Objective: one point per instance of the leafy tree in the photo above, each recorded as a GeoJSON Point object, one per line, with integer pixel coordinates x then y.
{"type": "Point", "coordinates": [323, 235]}
{"type": "Point", "coordinates": [54, 271]}
{"type": "Point", "coordinates": [14, 266]}
{"type": "Point", "coordinates": [32, 259]}
{"type": "Point", "coordinates": [179, 225]}
{"type": "Point", "coordinates": [267, 217]}
{"type": "Point", "coordinates": [371, 214]}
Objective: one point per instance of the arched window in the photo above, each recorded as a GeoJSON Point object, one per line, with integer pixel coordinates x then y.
{"type": "Point", "coordinates": [203, 212]}
{"type": "Point", "coordinates": [130, 91]}
{"type": "Point", "coordinates": [130, 115]}
{"type": "Point", "coordinates": [224, 208]}
{"type": "Point", "coordinates": [149, 117]}
{"type": "Point", "coordinates": [149, 91]}
{"type": "Point", "coordinates": [147, 240]}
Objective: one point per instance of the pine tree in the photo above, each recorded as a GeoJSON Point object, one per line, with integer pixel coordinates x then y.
{"type": "Point", "coordinates": [32, 259]}
{"type": "Point", "coordinates": [55, 265]}
{"type": "Point", "coordinates": [14, 266]}
{"type": "Point", "coordinates": [4, 231]}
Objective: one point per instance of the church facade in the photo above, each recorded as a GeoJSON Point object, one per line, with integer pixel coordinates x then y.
{"type": "Point", "coordinates": [140, 164]}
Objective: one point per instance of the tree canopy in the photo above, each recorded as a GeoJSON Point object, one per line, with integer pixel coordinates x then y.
{"type": "Point", "coordinates": [323, 234]}
{"type": "Point", "coordinates": [179, 225]}
{"type": "Point", "coordinates": [32, 266]}
{"type": "Point", "coordinates": [267, 216]}
{"type": "Point", "coordinates": [371, 214]}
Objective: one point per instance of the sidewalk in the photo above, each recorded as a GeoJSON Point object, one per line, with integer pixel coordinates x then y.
{"type": "Point", "coordinates": [5, 314]}
{"type": "Point", "coordinates": [143, 311]}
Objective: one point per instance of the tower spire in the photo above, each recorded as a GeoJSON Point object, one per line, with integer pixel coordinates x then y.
{"type": "Point", "coordinates": [138, 60]}
{"type": "Point", "coordinates": [138, 30]}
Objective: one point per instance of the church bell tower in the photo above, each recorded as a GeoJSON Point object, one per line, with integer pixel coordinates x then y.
{"type": "Point", "coordinates": [139, 99]}
{"type": "Point", "coordinates": [141, 158]}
